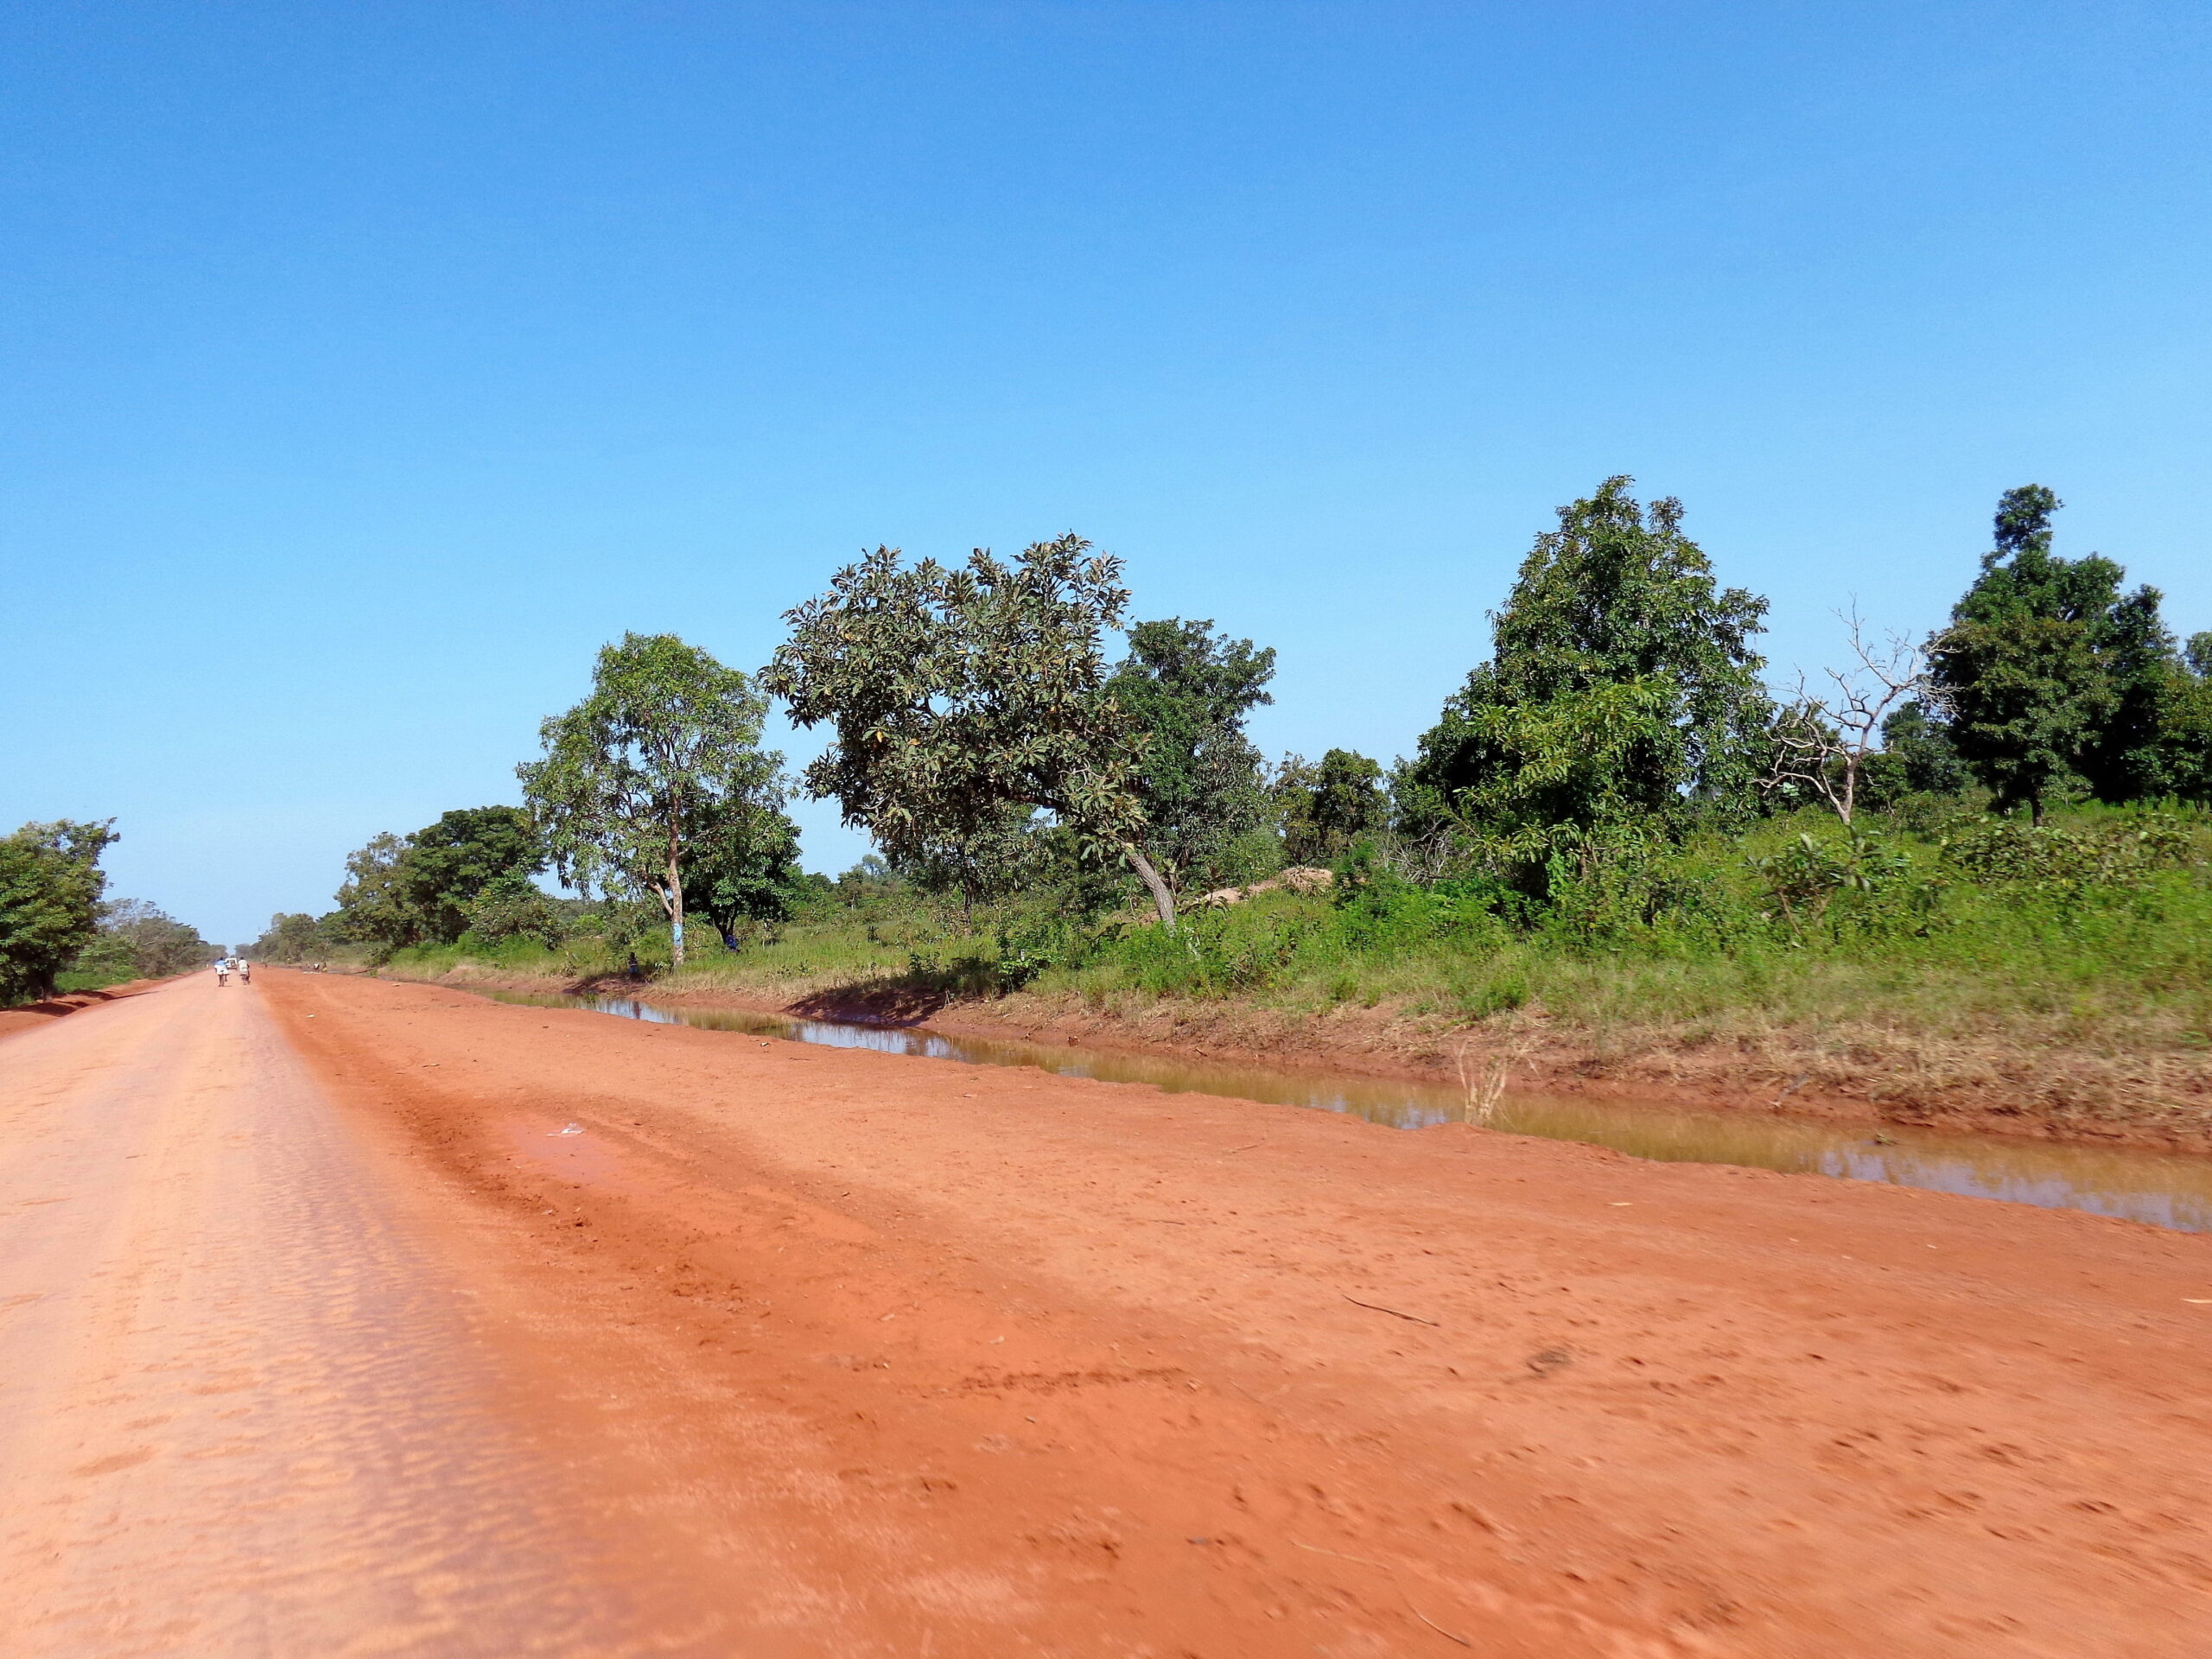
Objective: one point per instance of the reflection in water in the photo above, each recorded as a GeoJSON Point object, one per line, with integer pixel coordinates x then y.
{"type": "Point", "coordinates": [2164, 1189]}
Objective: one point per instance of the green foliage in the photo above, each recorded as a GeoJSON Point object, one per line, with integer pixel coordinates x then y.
{"type": "Point", "coordinates": [2053, 677]}
{"type": "Point", "coordinates": [298, 937]}
{"type": "Point", "coordinates": [959, 696]}
{"type": "Point", "coordinates": [665, 752]}
{"type": "Point", "coordinates": [1328, 806]}
{"type": "Point", "coordinates": [990, 862]}
{"type": "Point", "coordinates": [741, 867]}
{"type": "Point", "coordinates": [2118, 858]}
{"type": "Point", "coordinates": [136, 940]}
{"type": "Point", "coordinates": [1667, 940]}
{"type": "Point", "coordinates": [1200, 785]}
{"type": "Point", "coordinates": [423, 888]}
{"type": "Point", "coordinates": [1622, 689]}
{"type": "Point", "coordinates": [373, 906]}
{"type": "Point", "coordinates": [2185, 719]}
{"type": "Point", "coordinates": [50, 888]}
{"type": "Point", "coordinates": [1215, 952]}
{"type": "Point", "coordinates": [1861, 883]}
{"type": "Point", "coordinates": [511, 907]}
{"type": "Point", "coordinates": [1918, 757]}
{"type": "Point", "coordinates": [450, 865]}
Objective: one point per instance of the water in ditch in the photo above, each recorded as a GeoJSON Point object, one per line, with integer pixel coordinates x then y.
{"type": "Point", "coordinates": [2164, 1189]}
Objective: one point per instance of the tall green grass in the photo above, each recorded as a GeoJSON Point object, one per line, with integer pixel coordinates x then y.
{"type": "Point", "coordinates": [2096, 936]}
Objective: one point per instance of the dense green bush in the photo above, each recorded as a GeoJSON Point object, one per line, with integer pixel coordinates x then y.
{"type": "Point", "coordinates": [50, 887]}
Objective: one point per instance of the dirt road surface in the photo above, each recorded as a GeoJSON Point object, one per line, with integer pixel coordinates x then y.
{"type": "Point", "coordinates": [341, 1316]}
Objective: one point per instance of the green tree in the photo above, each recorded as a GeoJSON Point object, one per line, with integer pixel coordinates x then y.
{"type": "Point", "coordinates": [2185, 723]}
{"type": "Point", "coordinates": [1201, 785]}
{"type": "Point", "coordinates": [980, 863]}
{"type": "Point", "coordinates": [137, 940]}
{"type": "Point", "coordinates": [958, 696]}
{"type": "Point", "coordinates": [741, 867]}
{"type": "Point", "coordinates": [375, 906]}
{"type": "Point", "coordinates": [1917, 756]}
{"type": "Point", "coordinates": [1330, 806]}
{"type": "Point", "coordinates": [293, 936]}
{"type": "Point", "coordinates": [1622, 695]}
{"type": "Point", "coordinates": [50, 888]}
{"type": "Point", "coordinates": [513, 907]}
{"type": "Point", "coordinates": [666, 746]}
{"type": "Point", "coordinates": [2053, 677]}
{"type": "Point", "coordinates": [449, 865]}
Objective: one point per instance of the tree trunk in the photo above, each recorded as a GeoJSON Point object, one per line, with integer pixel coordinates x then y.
{"type": "Point", "coordinates": [675, 904]}
{"type": "Point", "coordinates": [1163, 900]}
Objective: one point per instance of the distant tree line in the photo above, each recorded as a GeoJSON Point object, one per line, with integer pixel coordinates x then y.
{"type": "Point", "coordinates": [986, 738]}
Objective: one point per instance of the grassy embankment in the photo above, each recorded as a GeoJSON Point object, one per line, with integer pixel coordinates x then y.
{"type": "Point", "coordinates": [92, 979]}
{"type": "Point", "coordinates": [2061, 979]}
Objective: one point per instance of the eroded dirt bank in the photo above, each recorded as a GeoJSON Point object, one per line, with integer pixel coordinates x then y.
{"type": "Point", "coordinates": [2041, 1093]}
{"type": "Point", "coordinates": [876, 1355]}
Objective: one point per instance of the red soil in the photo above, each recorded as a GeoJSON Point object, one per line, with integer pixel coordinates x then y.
{"type": "Point", "coordinates": [798, 1351]}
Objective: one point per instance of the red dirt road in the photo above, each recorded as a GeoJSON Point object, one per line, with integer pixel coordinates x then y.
{"type": "Point", "coordinates": [321, 1339]}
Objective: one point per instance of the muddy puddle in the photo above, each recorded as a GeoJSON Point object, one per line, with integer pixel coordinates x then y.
{"type": "Point", "coordinates": [2165, 1190]}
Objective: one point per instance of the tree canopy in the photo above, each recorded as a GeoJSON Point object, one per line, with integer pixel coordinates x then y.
{"type": "Point", "coordinates": [665, 749]}
{"type": "Point", "coordinates": [449, 865]}
{"type": "Point", "coordinates": [2185, 723]}
{"type": "Point", "coordinates": [294, 937]}
{"type": "Point", "coordinates": [1330, 806]}
{"type": "Point", "coordinates": [1917, 758]}
{"type": "Point", "coordinates": [957, 696]}
{"type": "Point", "coordinates": [1622, 689]}
{"type": "Point", "coordinates": [374, 905]}
{"type": "Point", "coordinates": [50, 888]}
{"type": "Point", "coordinates": [2053, 677]}
{"type": "Point", "coordinates": [138, 940]}
{"type": "Point", "coordinates": [741, 865]}
{"type": "Point", "coordinates": [431, 887]}
{"type": "Point", "coordinates": [1200, 785]}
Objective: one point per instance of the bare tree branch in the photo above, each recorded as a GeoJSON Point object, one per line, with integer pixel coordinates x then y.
{"type": "Point", "coordinates": [1822, 741]}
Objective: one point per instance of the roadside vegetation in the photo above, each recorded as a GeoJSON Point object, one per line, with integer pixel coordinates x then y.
{"type": "Point", "coordinates": [59, 932]}
{"type": "Point", "coordinates": [1975, 867]}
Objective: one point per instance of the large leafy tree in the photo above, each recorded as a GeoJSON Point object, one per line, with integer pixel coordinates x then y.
{"type": "Point", "coordinates": [1201, 783]}
{"type": "Point", "coordinates": [374, 904]}
{"type": "Point", "coordinates": [428, 887]}
{"type": "Point", "coordinates": [741, 865]}
{"type": "Point", "coordinates": [1330, 805]}
{"type": "Point", "coordinates": [50, 888]}
{"type": "Point", "coordinates": [1623, 693]}
{"type": "Point", "coordinates": [449, 865]}
{"type": "Point", "coordinates": [2051, 675]}
{"type": "Point", "coordinates": [958, 697]}
{"type": "Point", "coordinates": [2185, 723]}
{"type": "Point", "coordinates": [666, 748]}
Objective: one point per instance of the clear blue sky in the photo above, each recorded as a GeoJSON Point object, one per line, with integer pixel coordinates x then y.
{"type": "Point", "coordinates": [363, 368]}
